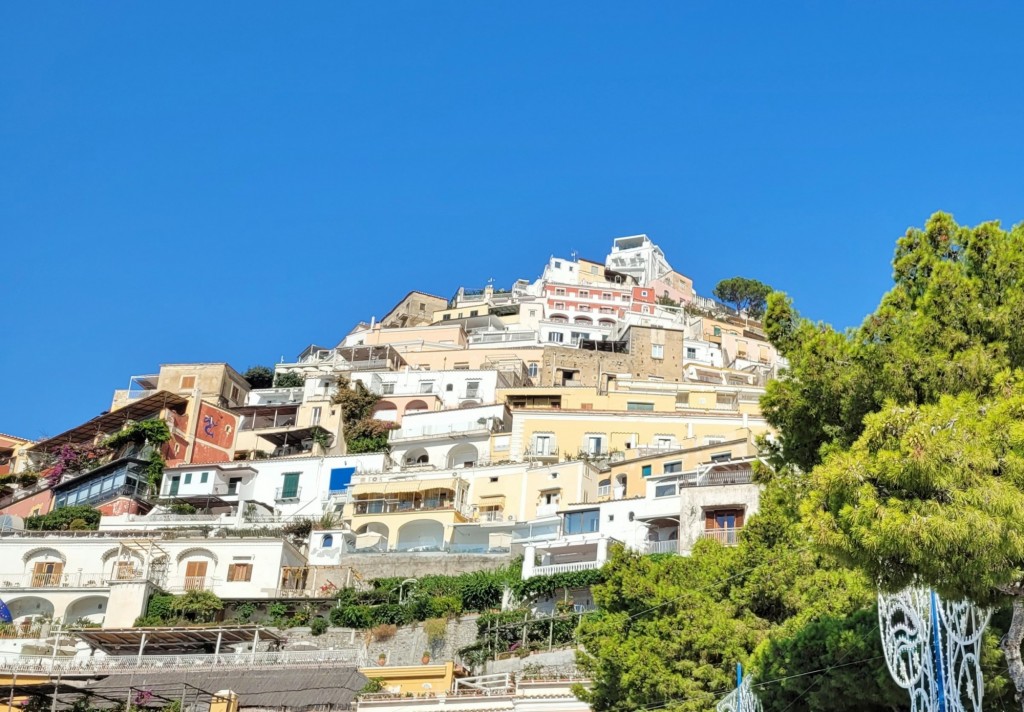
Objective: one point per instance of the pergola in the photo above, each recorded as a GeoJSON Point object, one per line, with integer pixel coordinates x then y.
{"type": "Point", "coordinates": [173, 640]}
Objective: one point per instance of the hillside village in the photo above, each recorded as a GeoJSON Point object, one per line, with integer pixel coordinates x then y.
{"type": "Point", "coordinates": [409, 517]}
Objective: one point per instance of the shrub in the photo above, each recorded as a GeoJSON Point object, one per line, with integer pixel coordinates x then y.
{"type": "Point", "coordinates": [318, 626]}
{"type": "Point", "coordinates": [436, 629]}
{"type": "Point", "coordinates": [245, 611]}
{"type": "Point", "coordinates": [384, 631]}
{"type": "Point", "coordinates": [160, 607]}
{"type": "Point", "coordinates": [61, 519]}
{"type": "Point", "coordinates": [78, 525]}
{"type": "Point", "coordinates": [352, 616]}
{"type": "Point", "coordinates": [197, 606]}
{"type": "Point", "coordinates": [289, 380]}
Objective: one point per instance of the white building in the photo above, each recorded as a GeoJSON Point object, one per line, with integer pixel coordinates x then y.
{"type": "Point", "coordinates": [107, 578]}
{"type": "Point", "coordinates": [450, 438]}
{"type": "Point", "coordinates": [415, 391]}
{"type": "Point", "coordinates": [638, 257]}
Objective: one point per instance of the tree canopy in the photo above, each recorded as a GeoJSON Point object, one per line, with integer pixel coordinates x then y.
{"type": "Point", "coordinates": [743, 294]}
{"type": "Point", "coordinates": [259, 376]}
{"type": "Point", "coordinates": [911, 427]}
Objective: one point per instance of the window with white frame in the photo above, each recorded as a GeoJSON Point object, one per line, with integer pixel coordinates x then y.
{"type": "Point", "coordinates": [657, 350]}
{"type": "Point", "coordinates": [426, 386]}
{"type": "Point", "coordinates": [533, 369]}
{"type": "Point", "coordinates": [595, 444]}
{"type": "Point", "coordinates": [666, 490]}
{"type": "Point", "coordinates": [555, 337]}
{"type": "Point", "coordinates": [387, 389]}
{"type": "Point", "coordinates": [543, 444]}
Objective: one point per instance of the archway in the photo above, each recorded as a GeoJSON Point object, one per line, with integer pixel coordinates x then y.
{"type": "Point", "coordinates": [372, 537]}
{"type": "Point", "coordinates": [421, 535]}
{"type": "Point", "coordinates": [584, 320]}
{"type": "Point", "coordinates": [463, 455]}
{"type": "Point", "coordinates": [28, 607]}
{"type": "Point", "coordinates": [415, 406]}
{"type": "Point", "coordinates": [417, 456]}
{"type": "Point", "coordinates": [90, 609]}
{"type": "Point", "coordinates": [385, 410]}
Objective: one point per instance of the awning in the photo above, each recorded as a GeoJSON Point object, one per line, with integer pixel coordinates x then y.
{"type": "Point", "coordinates": [492, 500]}
{"type": "Point", "coordinates": [127, 641]}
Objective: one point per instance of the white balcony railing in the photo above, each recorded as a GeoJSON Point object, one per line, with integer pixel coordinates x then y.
{"type": "Point", "coordinates": [565, 568]}
{"type": "Point", "coordinates": [669, 546]}
{"type": "Point", "coordinates": [547, 510]}
{"type": "Point", "coordinates": [427, 431]}
{"type": "Point", "coordinates": [113, 663]}
{"type": "Point", "coordinates": [726, 537]}
{"type": "Point", "coordinates": [71, 579]}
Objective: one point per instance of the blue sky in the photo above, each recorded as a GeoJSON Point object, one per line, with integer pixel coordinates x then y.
{"type": "Point", "coordinates": [232, 181]}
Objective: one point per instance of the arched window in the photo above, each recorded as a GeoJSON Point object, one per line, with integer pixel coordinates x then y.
{"type": "Point", "coordinates": [328, 541]}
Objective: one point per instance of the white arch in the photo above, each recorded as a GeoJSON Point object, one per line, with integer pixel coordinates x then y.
{"type": "Point", "coordinates": [42, 552]}
{"type": "Point", "coordinates": [425, 534]}
{"type": "Point", "coordinates": [197, 551]}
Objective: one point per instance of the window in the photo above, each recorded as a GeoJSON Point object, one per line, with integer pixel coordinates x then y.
{"type": "Point", "coordinates": [387, 389]}
{"type": "Point", "coordinates": [559, 305]}
{"type": "Point", "coordinates": [240, 572]}
{"type": "Point", "coordinates": [691, 352]}
{"type": "Point", "coordinates": [203, 477]}
{"type": "Point", "coordinates": [671, 467]}
{"type": "Point", "coordinates": [555, 337]}
{"type": "Point", "coordinates": [559, 292]}
{"type": "Point", "coordinates": [461, 366]}
{"type": "Point", "coordinates": [234, 393]}
{"type": "Point", "coordinates": [188, 478]}
{"type": "Point", "coordinates": [558, 264]}
{"type": "Point", "coordinates": [473, 312]}
{"type": "Point", "coordinates": [668, 490]}
{"type": "Point", "coordinates": [607, 296]}
{"type": "Point", "coordinates": [533, 369]}
{"type": "Point", "coordinates": [577, 336]}
{"type": "Point", "coordinates": [542, 444]}
{"type": "Point", "coordinates": [657, 350]}
{"type": "Point", "coordinates": [449, 388]}
{"type": "Point", "coordinates": [446, 317]}
{"type": "Point", "coordinates": [290, 485]}
{"type": "Point", "coordinates": [595, 444]}
{"type": "Point", "coordinates": [533, 312]}
{"type": "Point", "coordinates": [593, 269]}
{"type": "Point", "coordinates": [327, 541]}
{"type": "Point", "coordinates": [582, 522]}
{"type": "Point", "coordinates": [175, 482]}
{"type": "Point", "coordinates": [472, 389]}
{"type": "Point", "coordinates": [314, 418]}
{"type": "Point", "coordinates": [643, 292]}
{"type": "Point", "coordinates": [553, 476]}
{"type": "Point", "coordinates": [188, 383]}
{"type": "Point", "coordinates": [625, 297]}
{"type": "Point", "coordinates": [584, 293]}
{"type": "Point", "coordinates": [584, 307]}
{"type": "Point", "coordinates": [718, 331]}
{"type": "Point", "coordinates": [639, 406]}
{"type": "Point", "coordinates": [721, 457]}
{"type": "Point", "coordinates": [645, 471]}
{"type": "Point", "coordinates": [233, 485]}
{"type": "Point", "coordinates": [710, 440]}
{"type": "Point", "coordinates": [426, 386]}
{"type": "Point", "coordinates": [493, 479]}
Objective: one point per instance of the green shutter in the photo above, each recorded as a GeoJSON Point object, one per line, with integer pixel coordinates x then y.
{"type": "Point", "coordinates": [290, 488]}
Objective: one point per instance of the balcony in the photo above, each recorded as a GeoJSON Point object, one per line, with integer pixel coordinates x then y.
{"type": "Point", "coordinates": [547, 510]}
{"type": "Point", "coordinates": [542, 454]}
{"type": "Point", "coordinates": [725, 537]}
{"type": "Point", "coordinates": [276, 396]}
{"type": "Point", "coordinates": [287, 494]}
{"type": "Point", "coordinates": [182, 663]}
{"type": "Point", "coordinates": [669, 546]}
{"type": "Point", "coordinates": [405, 506]}
{"type": "Point", "coordinates": [565, 568]}
{"type": "Point", "coordinates": [70, 579]}
{"type": "Point", "coordinates": [721, 475]}
{"type": "Point", "coordinates": [196, 583]}
{"type": "Point", "coordinates": [433, 431]}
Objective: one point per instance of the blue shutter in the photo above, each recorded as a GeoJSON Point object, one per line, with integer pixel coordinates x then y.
{"type": "Point", "coordinates": [340, 478]}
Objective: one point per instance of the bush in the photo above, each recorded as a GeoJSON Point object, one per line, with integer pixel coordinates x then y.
{"type": "Point", "coordinates": [352, 616]}
{"type": "Point", "coordinates": [384, 631]}
{"type": "Point", "coordinates": [197, 606]}
{"type": "Point", "coordinates": [160, 607]}
{"type": "Point", "coordinates": [436, 629]}
{"type": "Point", "coordinates": [245, 611]}
{"type": "Point", "coordinates": [182, 508]}
{"type": "Point", "coordinates": [289, 380]}
{"type": "Point", "coordinates": [61, 519]}
{"type": "Point", "coordinates": [78, 525]}
{"type": "Point", "coordinates": [318, 626]}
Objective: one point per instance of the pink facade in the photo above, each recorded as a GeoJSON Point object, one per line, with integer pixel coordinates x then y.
{"type": "Point", "coordinates": [39, 503]}
{"type": "Point", "coordinates": [596, 301]}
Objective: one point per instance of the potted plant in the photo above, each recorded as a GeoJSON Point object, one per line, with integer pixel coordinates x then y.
{"type": "Point", "coordinates": [426, 657]}
{"type": "Point", "coordinates": [382, 659]}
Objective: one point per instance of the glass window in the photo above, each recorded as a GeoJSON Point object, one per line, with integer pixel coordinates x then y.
{"type": "Point", "coordinates": [204, 477]}
{"type": "Point", "coordinates": [657, 351]}
{"type": "Point", "coordinates": [188, 478]}
{"type": "Point", "coordinates": [645, 471]}
{"type": "Point", "coordinates": [290, 486]}
{"type": "Point", "coordinates": [555, 337]}
{"type": "Point", "coordinates": [639, 406]}
{"type": "Point", "coordinates": [665, 490]}
{"type": "Point", "coordinates": [533, 369]}
{"type": "Point", "coordinates": [671, 467]}
{"type": "Point", "coordinates": [691, 352]}
{"type": "Point", "coordinates": [582, 522]}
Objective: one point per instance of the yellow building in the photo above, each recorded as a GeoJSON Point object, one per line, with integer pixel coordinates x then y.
{"type": "Point", "coordinates": [628, 477]}
{"type": "Point", "coordinates": [413, 679]}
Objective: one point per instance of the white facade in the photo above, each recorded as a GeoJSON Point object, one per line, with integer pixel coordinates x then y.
{"type": "Point", "coordinates": [106, 579]}
{"type": "Point", "coordinates": [448, 438]}
{"type": "Point", "coordinates": [440, 389]}
{"type": "Point", "coordinates": [638, 257]}
{"type": "Point", "coordinates": [553, 333]}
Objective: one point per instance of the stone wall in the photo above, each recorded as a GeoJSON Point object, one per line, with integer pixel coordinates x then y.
{"type": "Point", "coordinates": [359, 569]}
{"type": "Point", "coordinates": [405, 648]}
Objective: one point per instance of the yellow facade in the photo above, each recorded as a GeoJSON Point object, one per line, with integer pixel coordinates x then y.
{"type": "Point", "coordinates": [413, 679]}
{"type": "Point", "coordinates": [640, 465]}
{"type": "Point", "coordinates": [575, 433]}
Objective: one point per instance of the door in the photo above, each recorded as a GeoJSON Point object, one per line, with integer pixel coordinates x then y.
{"type": "Point", "coordinates": [195, 575]}
{"type": "Point", "coordinates": [233, 485]}
{"type": "Point", "coordinates": [47, 573]}
{"type": "Point", "coordinates": [125, 571]}
{"type": "Point", "coordinates": [175, 483]}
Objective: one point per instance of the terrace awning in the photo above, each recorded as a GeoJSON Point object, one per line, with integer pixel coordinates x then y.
{"type": "Point", "coordinates": [157, 640]}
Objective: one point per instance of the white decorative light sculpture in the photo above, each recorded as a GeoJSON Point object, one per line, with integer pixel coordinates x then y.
{"type": "Point", "coordinates": [742, 699]}
{"type": "Point", "coordinates": [933, 649]}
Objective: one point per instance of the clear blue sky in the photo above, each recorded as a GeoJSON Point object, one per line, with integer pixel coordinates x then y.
{"type": "Point", "coordinates": [233, 181]}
